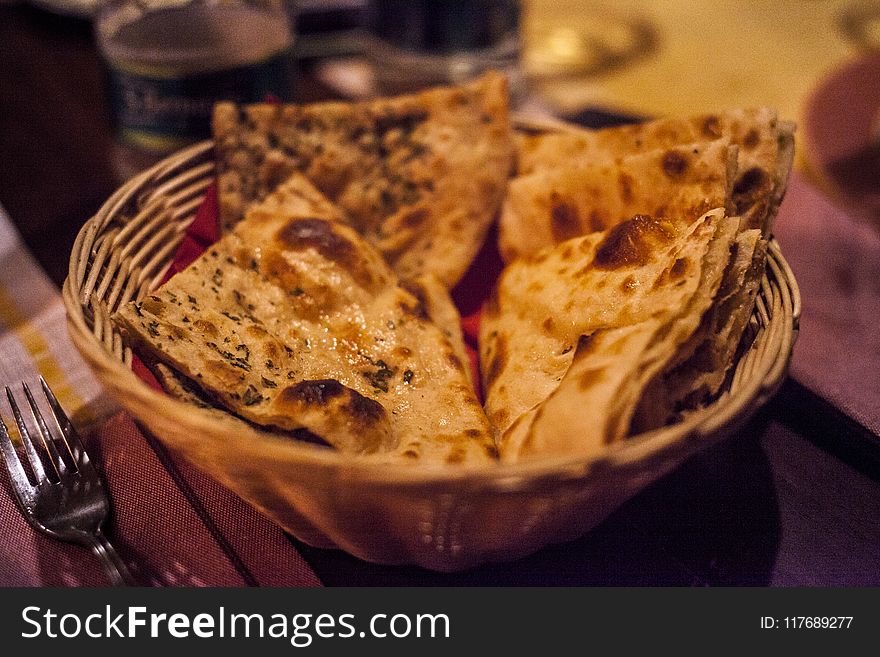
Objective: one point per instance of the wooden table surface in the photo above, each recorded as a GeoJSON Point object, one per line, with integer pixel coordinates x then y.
{"type": "Point", "coordinates": [793, 500]}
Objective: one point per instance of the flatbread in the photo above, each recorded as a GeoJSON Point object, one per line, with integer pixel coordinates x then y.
{"type": "Point", "coordinates": [766, 150]}
{"type": "Point", "coordinates": [421, 177]}
{"type": "Point", "coordinates": [185, 390]}
{"type": "Point", "coordinates": [551, 205]}
{"type": "Point", "coordinates": [642, 273]}
{"type": "Point", "coordinates": [593, 404]}
{"type": "Point", "coordinates": [293, 321]}
{"type": "Point", "coordinates": [702, 364]}
{"type": "Point", "coordinates": [764, 154]}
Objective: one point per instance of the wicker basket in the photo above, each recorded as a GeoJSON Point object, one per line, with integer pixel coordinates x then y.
{"type": "Point", "coordinates": [442, 519]}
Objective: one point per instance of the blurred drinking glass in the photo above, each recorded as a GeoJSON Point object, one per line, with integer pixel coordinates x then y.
{"type": "Point", "coordinates": [413, 44]}
{"type": "Point", "coordinates": [168, 61]}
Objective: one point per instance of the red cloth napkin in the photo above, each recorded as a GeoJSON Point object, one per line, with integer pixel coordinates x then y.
{"type": "Point", "coordinates": [172, 524]}
{"type": "Point", "coordinates": [836, 261]}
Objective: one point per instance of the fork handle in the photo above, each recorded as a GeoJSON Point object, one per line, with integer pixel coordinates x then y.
{"type": "Point", "coordinates": [114, 566]}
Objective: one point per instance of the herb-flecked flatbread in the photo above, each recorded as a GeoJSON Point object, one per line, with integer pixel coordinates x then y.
{"type": "Point", "coordinates": [292, 321]}
{"type": "Point", "coordinates": [420, 177]}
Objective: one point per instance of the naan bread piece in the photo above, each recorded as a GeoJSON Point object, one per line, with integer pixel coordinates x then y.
{"type": "Point", "coordinates": [593, 404]}
{"type": "Point", "coordinates": [181, 388]}
{"type": "Point", "coordinates": [421, 177]}
{"type": "Point", "coordinates": [293, 321]}
{"type": "Point", "coordinates": [680, 183]}
{"type": "Point", "coordinates": [702, 365]}
{"type": "Point", "coordinates": [542, 306]}
{"type": "Point", "coordinates": [434, 298]}
{"type": "Point", "coordinates": [766, 149]}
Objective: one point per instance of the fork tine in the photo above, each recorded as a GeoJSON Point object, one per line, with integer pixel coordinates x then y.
{"type": "Point", "coordinates": [68, 431]}
{"type": "Point", "coordinates": [48, 442]}
{"type": "Point", "coordinates": [30, 450]}
{"type": "Point", "coordinates": [20, 483]}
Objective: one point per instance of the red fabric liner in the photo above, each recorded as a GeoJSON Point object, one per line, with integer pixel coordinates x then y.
{"type": "Point", "coordinates": [468, 296]}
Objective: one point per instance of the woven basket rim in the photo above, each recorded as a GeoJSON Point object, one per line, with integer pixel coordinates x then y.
{"type": "Point", "coordinates": [700, 429]}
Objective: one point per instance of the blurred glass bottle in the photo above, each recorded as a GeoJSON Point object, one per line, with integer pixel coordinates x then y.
{"type": "Point", "coordinates": [417, 43]}
{"type": "Point", "coordinates": [168, 61]}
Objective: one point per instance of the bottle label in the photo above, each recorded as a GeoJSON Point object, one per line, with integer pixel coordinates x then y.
{"type": "Point", "coordinates": [159, 112]}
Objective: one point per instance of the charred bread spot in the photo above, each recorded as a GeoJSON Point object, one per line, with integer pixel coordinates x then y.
{"type": "Point", "coordinates": [629, 285]}
{"type": "Point", "coordinates": [751, 139]}
{"type": "Point", "coordinates": [365, 410]}
{"type": "Point", "coordinates": [275, 170]}
{"type": "Point", "coordinates": [473, 433]}
{"type": "Point", "coordinates": [675, 164]}
{"type": "Point", "coordinates": [711, 127]}
{"type": "Point", "coordinates": [454, 361]}
{"type": "Point", "coordinates": [324, 236]}
{"type": "Point", "coordinates": [499, 417]}
{"type": "Point", "coordinates": [255, 331]}
{"type": "Point", "coordinates": [750, 187]}
{"type": "Point", "coordinates": [415, 218]}
{"type": "Point", "coordinates": [625, 182]}
{"type": "Point", "coordinates": [564, 221]}
{"type": "Point", "coordinates": [206, 327]}
{"type": "Point", "coordinates": [418, 291]}
{"type": "Point", "coordinates": [313, 393]}
{"type": "Point", "coordinates": [323, 393]}
{"type": "Point", "coordinates": [679, 268]}
{"type": "Point", "coordinates": [548, 325]}
{"type": "Point", "coordinates": [417, 304]}
{"type": "Point", "coordinates": [597, 222]}
{"type": "Point", "coordinates": [498, 361]}
{"type": "Point", "coordinates": [457, 454]}
{"type": "Point", "coordinates": [629, 244]}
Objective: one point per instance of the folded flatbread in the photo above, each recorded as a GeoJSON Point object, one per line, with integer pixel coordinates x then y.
{"type": "Point", "coordinates": [292, 321]}
{"type": "Point", "coordinates": [551, 205]}
{"type": "Point", "coordinates": [699, 369]}
{"type": "Point", "coordinates": [420, 177]}
{"type": "Point", "coordinates": [574, 163]}
{"type": "Point", "coordinates": [765, 152]}
{"type": "Point", "coordinates": [574, 335]}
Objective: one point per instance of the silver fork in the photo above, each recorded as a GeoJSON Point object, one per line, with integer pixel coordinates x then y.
{"type": "Point", "coordinates": [68, 502]}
